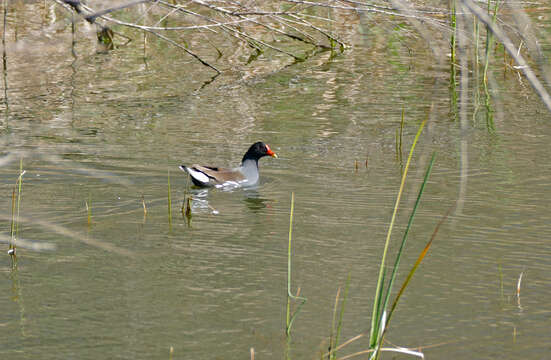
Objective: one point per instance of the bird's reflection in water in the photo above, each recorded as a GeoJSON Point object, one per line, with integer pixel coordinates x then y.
{"type": "Point", "coordinates": [254, 201]}
{"type": "Point", "coordinates": [200, 201]}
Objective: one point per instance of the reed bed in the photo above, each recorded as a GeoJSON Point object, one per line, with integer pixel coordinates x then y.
{"type": "Point", "coordinates": [383, 308]}
{"type": "Point", "coordinates": [381, 313]}
{"type": "Point", "coordinates": [15, 240]}
{"type": "Point", "coordinates": [299, 29]}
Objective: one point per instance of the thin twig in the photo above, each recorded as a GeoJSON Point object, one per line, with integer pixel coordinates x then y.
{"type": "Point", "coordinates": [309, 24]}
{"type": "Point", "coordinates": [169, 40]}
{"type": "Point", "coordinates": [102, 15]}
{"type": "Point", "coordinates": [224, 11]}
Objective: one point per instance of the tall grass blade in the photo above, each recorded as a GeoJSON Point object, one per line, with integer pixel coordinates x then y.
{"type": "Point", "coordinates": [376, 304]}
{"type": "Point", "coordinates": [489, 43]}
{"type": "Point", "coordinates": [290, 318]}
{"type": "Point", "coordinates": [12, 226]}
{"type": "Point", "coordinates": [379, 297]}
{"type": "Point", "coordinates": [19, 193]}
{"type": "Point", "coordinates": [406, 232]}
{"type": "Point", "coordinates": [89, 208]}
{"type": "Point", "coordinates": [401, 134]}
{"type": "Point", "coordinates": [416, 265]}
{"type": "Point", "coordinates": [399, 137]}
{"type": "Point", "coordinates": [333, 330]}
{"type": "Point", "coordinates": [15, 211]}
{"type": "Point", "coordinates": [169, 201]}
{"type": "Point", "coordinates": [476, 101]}
{"type": "Point", "coordinates": [341, 315]}
{"type": "Point", "coordinates": [500, 271]}
{"type": "Point", "coordinates": [12, 246]}
{"type": "Point", "coordinates": [453, 57]}
{"type": "Point", "coordinates": [336, 331]}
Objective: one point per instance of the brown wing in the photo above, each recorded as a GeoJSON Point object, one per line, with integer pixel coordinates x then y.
{"type": "Point", "coordinates": [220, 175]}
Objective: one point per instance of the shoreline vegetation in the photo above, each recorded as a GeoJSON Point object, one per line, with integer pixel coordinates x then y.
{"type": "Point", "coordinates": [475, 39]}
{"type": "Point", "coordinates": [266, 24]}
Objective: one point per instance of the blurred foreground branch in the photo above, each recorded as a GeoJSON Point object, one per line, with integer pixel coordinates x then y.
{"type": "Point", "coordinates": [260, 25]}
{"type": "Point", "coordinates": [300, 28]}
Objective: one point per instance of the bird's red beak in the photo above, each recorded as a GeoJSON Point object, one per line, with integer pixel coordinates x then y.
{"type": "Point", "coordinates": [270, 152]}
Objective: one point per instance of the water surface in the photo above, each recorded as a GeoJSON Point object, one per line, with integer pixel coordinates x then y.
{"type": "Point", "coordinates": [109, 129]}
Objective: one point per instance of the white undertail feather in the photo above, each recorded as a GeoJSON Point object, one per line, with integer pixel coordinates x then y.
{"type": "Point", "coordinates": [197, 175]}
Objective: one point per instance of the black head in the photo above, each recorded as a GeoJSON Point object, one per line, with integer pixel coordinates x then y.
{"type": "Point", "coordinates": [258, 150]}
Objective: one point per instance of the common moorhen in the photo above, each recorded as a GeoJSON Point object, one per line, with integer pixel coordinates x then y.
{"type": "Point", "coordinates": [244, 175]}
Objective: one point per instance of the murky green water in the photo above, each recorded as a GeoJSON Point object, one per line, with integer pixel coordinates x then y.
{"type": "Point", "coordinates": [108, 129]}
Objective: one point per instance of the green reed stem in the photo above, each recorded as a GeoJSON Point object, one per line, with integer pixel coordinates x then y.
{"type": "Point", "coordinates": [19, 193]}
{"type": "Point", "coordinates": [16, 204]}
{"type": "Point", "coordinates": [341, 315]}
{"type": "Point", "coordinates": [89, 208]}
{"type": "Point", "coordinates": [476, 32]}
{"type": "Point", "coordinates": [453, 59]}
{"type": "Point", "coordinates": [420, 258]}
{"type": "Point", "coordinates": [489, 42]}
{"type": "Point", "coordinates": [15, 211]}
{"type": "Point", "coordinates": [500, 272]}
{"type": "Point", "coordinates": [399, 137]}
{"type": "Point", "coordinates": [476, 70]}
{"type": "Point", "coordinates": [288, 317]}
{"type": "Point", "coordinates": [404, 238]}
{"type": "Point", "coordinates": [377, 310]}
{"type": "Point", "coordinates": [13, 207]}
{"type": "Point", "coordinates": [291, 317]}
{"type": "Point", "coordinates": [453, 39]}
{"type": "Point", "coordinates": [401, 134]}
{"type": "Point", "coordinates": [333, 326]}
{"type": "Point", "coordinates": [169, 200]}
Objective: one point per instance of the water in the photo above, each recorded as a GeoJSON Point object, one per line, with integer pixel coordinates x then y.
{"type": "Point", "coordinates": [109, 129]}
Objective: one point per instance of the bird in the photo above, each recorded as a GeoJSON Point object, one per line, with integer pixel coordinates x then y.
{"type": "Point", "coordinates": [244, 175]}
